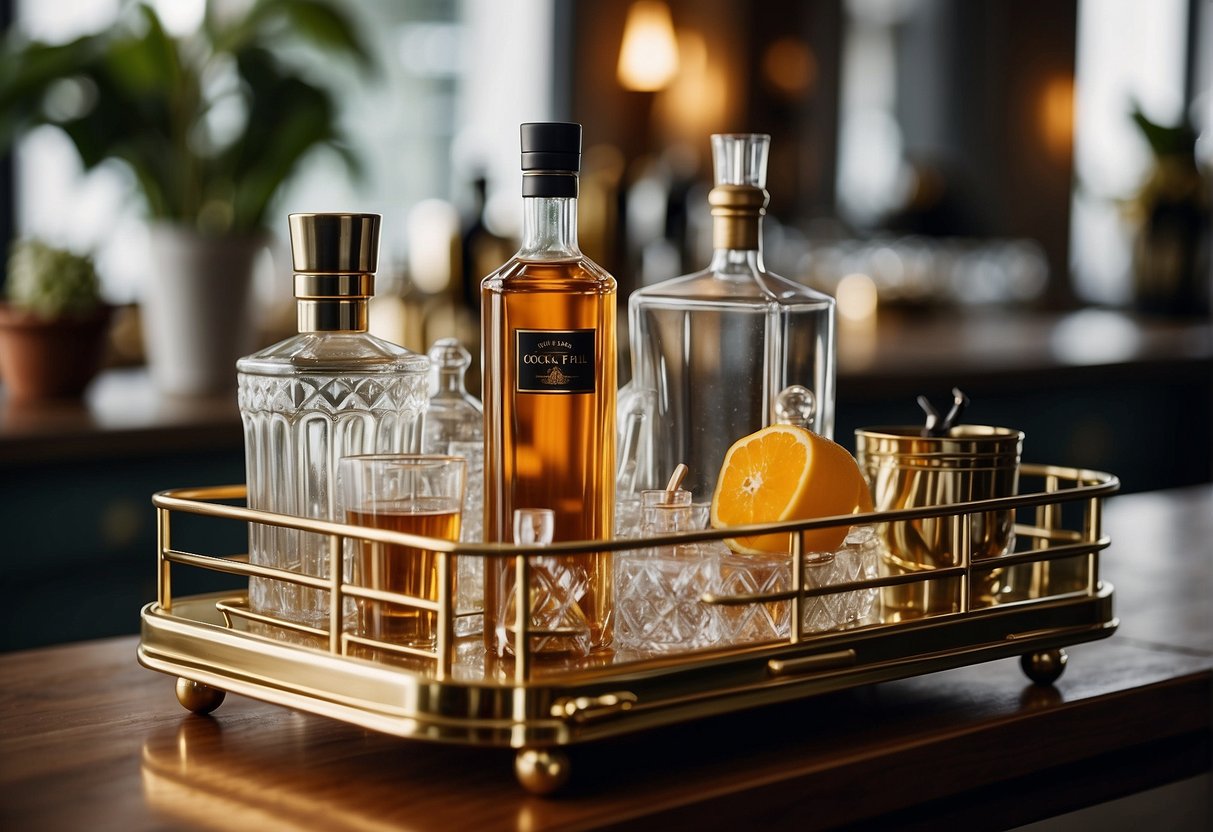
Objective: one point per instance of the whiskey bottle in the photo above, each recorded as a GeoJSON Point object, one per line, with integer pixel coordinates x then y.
{"type": "Point", "coordinates": [331, 391]}
{"type": "Point", "coordinates": [718, 347]}
{"type": "Point", "coordinates": [548, 318]}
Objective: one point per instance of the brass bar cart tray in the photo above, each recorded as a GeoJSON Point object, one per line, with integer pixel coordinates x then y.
{"type": "Point", "coordinates": [459, 692]}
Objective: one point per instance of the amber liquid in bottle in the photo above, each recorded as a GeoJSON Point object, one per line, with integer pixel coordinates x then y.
{"type": "Point", "coordinates": [549, 402]}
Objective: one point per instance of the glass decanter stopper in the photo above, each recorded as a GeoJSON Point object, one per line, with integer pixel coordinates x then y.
{"type": "Point", "coordinates": [719, 345]}
{"type": "Point", "coordinates": [795, 405]}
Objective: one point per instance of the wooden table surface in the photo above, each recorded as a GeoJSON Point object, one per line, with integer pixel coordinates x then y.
{"type": "Point", "coordinates": [88, 739]}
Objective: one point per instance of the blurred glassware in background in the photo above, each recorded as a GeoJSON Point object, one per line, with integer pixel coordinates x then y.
{"type": "Point", "coordinates": [925, 270]}
{"type": "Point", "coordinates": [1171, 209]}
{"type": "Point", "coordinates": [480, 250]}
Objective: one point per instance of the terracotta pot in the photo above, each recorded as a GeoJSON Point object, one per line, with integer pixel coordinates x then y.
{"type": "Point", "coordinates": [49, 358]}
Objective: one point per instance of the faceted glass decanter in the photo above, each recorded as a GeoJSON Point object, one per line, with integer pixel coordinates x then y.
{"type": "Point", "coordinates": [454, 425]}
{"type": "Point", "coordinates": [331, 391]}
{"type": "Point", "coordinates": [717, 347]}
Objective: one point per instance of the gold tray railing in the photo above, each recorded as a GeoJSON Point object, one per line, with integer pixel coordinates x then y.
{"type": "Point", "coordinates": [538, 705]}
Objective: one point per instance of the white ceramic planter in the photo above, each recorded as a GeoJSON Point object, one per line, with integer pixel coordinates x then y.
{"type": "Point", "coordinates": [197, 311]}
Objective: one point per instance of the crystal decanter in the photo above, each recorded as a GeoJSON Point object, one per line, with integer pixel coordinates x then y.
{"type": "Point", "coordinates": [454, 426]}
{"type": "Point", "coordinates": [331, 391]}
{"type": "Point", "coordinates": [716, 348]}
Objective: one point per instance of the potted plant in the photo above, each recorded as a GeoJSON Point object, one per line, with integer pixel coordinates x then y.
{"type": "Point", "coordinates": [153, 102]}
{"type": "Point", "coordinates": [53, 325]}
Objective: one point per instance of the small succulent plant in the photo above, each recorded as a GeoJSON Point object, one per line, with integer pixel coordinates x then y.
{"type": "Point", "coordinates": [51, 282]}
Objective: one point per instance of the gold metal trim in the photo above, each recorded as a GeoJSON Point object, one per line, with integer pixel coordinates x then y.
{"type": "Point", "coordinates": [337, 286]}
{"type": "Point", "coordinates": [332, 315]}
{"type": "Point", "coordinates": [820, 661]}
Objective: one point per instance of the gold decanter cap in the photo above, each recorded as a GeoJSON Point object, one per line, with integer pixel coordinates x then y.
{"type": "Point", "coordinates": [334, 257]}
{"type": "Point", "coordinates": [342, 243]}
{"type": "Point", "coordinates": [736, 214]}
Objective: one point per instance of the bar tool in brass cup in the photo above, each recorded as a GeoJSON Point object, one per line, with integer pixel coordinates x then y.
{"type": "Point", "coordinates": [940, 464]}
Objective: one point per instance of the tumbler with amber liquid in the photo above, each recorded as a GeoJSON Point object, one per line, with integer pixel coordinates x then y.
{"type": "Point", "coordinates": [414, 494]}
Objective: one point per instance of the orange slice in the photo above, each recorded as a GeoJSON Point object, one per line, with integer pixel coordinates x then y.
{"type": "Point", "coordinates": [784, 473]}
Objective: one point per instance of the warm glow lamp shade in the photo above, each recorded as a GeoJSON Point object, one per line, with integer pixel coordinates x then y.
{"type": "Point", "coordinates": [648, 57]}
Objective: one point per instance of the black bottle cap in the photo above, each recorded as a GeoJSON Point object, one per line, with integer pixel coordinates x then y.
{"type": "Point", "coordinates": [551, 145]}
{"type": "Point", "coordinates": [551, 158]}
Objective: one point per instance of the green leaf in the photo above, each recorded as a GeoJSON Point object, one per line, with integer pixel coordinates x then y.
{"type": "Point", "coordinates": [150, 107]}
{"type": "Point", "coordinates": [315, 22]}
{"type": "Point", "coordinates": [27, 71]}
{"type": "Point", "coordinates": [148, 62]}
{"type": "Point", "coordinates": [287, 118]}
{"type": "Point", "coordinates": [322, 25]}
{"type": "Point", "coordinates": [1179, 140]}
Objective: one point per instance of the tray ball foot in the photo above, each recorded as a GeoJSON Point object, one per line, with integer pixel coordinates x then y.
{"type": "Point", "coordinates": [1044, 667]}
{"type": "Point", "coordinates": [541, 770]}
{"type": "Point", "coordinates": [197, 697]}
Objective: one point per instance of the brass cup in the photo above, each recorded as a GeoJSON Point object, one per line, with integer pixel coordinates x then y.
{"type": "Point", "coordinates": [905, 469]}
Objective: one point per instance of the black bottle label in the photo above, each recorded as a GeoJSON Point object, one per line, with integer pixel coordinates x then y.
{"type": "Point", "coordinates": [554, 360]}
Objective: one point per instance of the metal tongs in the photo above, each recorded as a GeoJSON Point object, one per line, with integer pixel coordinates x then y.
{"type": "Point", "coordinates": [940, 427]}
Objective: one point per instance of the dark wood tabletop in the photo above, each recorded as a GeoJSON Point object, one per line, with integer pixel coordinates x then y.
{"type": "Point", "coordinates": [89, 739]}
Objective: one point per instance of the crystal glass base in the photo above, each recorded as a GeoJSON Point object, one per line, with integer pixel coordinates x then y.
{"type": "Point", "coordinates": [747, 575]}
{"type": "Point", "coordinates": [657, 600]}
{"type": "Point", "coordinates": [858, 559]}
{"type": "Point", "coordinates": [297, 426]}
{"type": "Point", "coordinates": [627, 515]}
{"type": "Point", "coordinates": [556, 587]}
